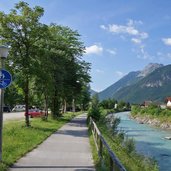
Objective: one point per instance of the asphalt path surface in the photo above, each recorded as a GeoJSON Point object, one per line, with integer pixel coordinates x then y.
{"type": "Point", "coordinates": [68, 149]}
{"type": "Point", "coordinates": [13, 116]}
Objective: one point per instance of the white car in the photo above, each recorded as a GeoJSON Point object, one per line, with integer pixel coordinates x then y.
{"type": "Point", "coordinates": [19, 108]}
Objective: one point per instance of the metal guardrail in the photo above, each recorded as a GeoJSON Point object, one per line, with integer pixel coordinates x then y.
{"type": "Point", "coordinates": [115, 164]}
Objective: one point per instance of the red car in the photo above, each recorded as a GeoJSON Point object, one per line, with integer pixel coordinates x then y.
{"type": "Point", "coordinates": [35, 113]}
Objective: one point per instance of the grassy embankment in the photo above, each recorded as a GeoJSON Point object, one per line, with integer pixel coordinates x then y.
{"type": "Point", "coordinates": [152, 112]}
{"type": "Point", "coordinates": [123, 148]}
{"type": "Point", "coordinates": [18, 139]}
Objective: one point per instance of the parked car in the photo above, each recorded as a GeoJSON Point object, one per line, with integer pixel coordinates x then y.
{"type": "Point", "coordinates": [6, 109]}
{"type": "Point", "coordinates": [19, 108]}
{"type": "Point", "coordinates": [35, 113]}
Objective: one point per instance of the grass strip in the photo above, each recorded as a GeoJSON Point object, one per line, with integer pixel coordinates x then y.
{"type": "Point", "coordinates": [19, 139]}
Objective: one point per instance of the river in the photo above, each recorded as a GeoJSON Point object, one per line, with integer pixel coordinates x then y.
{"type": "Point", "coordinates": [149, 140]}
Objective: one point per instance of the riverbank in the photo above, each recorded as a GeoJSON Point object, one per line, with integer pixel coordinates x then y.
{"type": "Point", "coordinates": [149, 140]}
{"type": "Point", "coordinates": [152, 115]}
{"type": "Point", "coordinates": [151, 121]}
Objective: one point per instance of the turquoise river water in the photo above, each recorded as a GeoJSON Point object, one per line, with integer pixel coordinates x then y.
{"type": "Point", "coordinates": [150, 141]}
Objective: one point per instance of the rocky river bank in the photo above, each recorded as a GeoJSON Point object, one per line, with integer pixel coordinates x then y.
{"type": "Point", "coordinates": [152, 121]}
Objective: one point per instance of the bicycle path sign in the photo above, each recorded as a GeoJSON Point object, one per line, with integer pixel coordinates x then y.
{"type": "Point", "coordinates": [5, 78]}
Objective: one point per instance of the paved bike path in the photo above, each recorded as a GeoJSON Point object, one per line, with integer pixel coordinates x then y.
{"type": "Point", "coordinates": [68, 149]}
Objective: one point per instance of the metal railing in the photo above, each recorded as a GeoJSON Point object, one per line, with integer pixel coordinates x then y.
{"type": "Point", "coordinates": [115, 164]}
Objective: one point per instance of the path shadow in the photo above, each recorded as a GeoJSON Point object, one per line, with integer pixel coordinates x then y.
{"type": "Point", "coordinates": [75, 133]}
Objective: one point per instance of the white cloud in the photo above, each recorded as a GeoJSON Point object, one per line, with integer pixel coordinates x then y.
{"type": "Point", "coordinates": [128, 29]}
{"type": "Point", "coordinates": [119, 29]}
{"type": "Point", "coordinates": [94, 49]}
{"type": "Point", "coordinates": [131, 30]}
{"type": "Point", "coordinates": [99, 71]}
{"type": "Point", "coordinates": [169, 55]}
{"type": "Point", "coordinates": [167, 41]}
{"type": "Point", "coordinates": [134, 22]}
{"type": "Point", "coordinates": [119, 74]}
{"type": "Point", "coordinates": [125, 29]}
{"type": "Point", "coordinates": [111, 51]}
{"type": "Point", "coordinates": [143, 35]}
{"type": "Point", "coordinates": [143, 54]}
{"type": "Point", "coordinates": [136, 41]}
{"type": "Point", "coordinates": [103, 27]}
{"type": "Point", "coordinates": [163, 56]}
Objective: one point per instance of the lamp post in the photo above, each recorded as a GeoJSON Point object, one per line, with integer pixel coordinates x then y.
{"type": "Point", "coordinates": [3, 56]}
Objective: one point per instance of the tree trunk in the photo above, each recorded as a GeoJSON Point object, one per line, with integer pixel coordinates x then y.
{"type": "Point", "coordinates": [46, 106]}
{"type": "Point", "coordinates": [55, 105]}
{"type": "Point", "coordinates": [27, 102]}
{"type": "Point", "coordinates": [73, 105]}
{"type": "Point", "coordinates": [65, 106]}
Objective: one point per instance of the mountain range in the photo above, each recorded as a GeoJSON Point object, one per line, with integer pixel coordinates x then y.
{"type": "Point", "coordinates": [152, 83]}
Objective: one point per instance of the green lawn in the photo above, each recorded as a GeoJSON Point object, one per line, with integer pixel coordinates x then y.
{"type": "Point", "coordinates": [18, 139]}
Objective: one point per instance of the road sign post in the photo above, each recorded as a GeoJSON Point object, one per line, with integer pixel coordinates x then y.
{"type": "Point", "coordinates": [5, 80]}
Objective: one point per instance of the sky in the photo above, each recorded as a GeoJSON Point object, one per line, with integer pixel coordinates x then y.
{"type": "Point", "coordinates": [120, 36]}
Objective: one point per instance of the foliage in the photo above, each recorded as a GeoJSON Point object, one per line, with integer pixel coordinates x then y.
{"type": "Point", "coordinates": [112, 123]}
{"type": "Point", "coordinates": [45, 61]}
{"type": "Point", "coordinates": [21, 30]}
{"type": "Point", "coordinates": [154, 111]}
{"type": "Point", "coordinates": [94, 110]}
{"type": "Point", "coordinates": [114, 104]}
{"type": "Point", "coordinates": [108, 103]}
{"type": "Point", "coordinates": [18, 139]}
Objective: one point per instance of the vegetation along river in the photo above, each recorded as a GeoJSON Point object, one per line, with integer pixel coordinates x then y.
{"type": "Point", "coordinates": [149, 141]}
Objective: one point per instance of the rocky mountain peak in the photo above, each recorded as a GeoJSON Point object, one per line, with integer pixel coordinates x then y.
{"type": "Point", "coordinates": [149, 69]}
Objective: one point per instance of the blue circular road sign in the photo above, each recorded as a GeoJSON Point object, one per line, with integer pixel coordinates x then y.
{"type": "Point", "coordinates": [5, 78]}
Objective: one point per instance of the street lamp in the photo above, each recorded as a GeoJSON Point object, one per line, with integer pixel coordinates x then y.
{"type": "Point", "coordinates": [3, 55]}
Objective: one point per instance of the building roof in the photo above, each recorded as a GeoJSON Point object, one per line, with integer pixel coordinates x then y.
{"type": "Point", "coordinates": [168, 99]}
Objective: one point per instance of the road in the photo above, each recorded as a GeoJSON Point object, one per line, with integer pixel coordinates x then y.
{"type": "Point", "coordinates": [13, 116]}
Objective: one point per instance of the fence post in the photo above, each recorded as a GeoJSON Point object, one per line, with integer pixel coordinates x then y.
{"type": "Point", "coordinates": [114, 163]}
{"type": "Point", "coordinates": [101, 148]}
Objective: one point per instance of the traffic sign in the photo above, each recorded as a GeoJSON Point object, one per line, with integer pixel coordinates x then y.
{"type": "Point", "coordinates": [5, 78]}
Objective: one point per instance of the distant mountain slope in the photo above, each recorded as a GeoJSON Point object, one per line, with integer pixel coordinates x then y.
{"type": "Point", "coordinates": [149, 68]}
{"type": "Point", "coordinates": [92, 92]}
{"type": "Point", "coordinates": [125, 81]}
{"type": "Point", "coordinates": [155, 86]}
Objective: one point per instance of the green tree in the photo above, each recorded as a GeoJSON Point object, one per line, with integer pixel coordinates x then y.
{"type": "Point", "coordinates": [94, 110]}
{"type": "Point", "coordinates": [21, 30]}
{"type": "Point", "coordinates": [46, 60]}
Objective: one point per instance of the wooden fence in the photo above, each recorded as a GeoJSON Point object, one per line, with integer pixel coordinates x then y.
{"type": "Point", "coordinates": [115, 164]}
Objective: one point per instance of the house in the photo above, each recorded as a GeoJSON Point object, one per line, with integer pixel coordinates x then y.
{"type": "Point", "coordinates": [168, 102]}
{"type": "Point", "coordinates": [147, 103]}
{"type": "Point", "coordinates": [163, 106]}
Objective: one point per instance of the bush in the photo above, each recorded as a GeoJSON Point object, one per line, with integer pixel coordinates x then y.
{"type": "Point", "coordinates": [129, 145]}
{"type": "Point", "coordinates": [135, 109]}
{"type": "Point", "coordinates": [94, 113]}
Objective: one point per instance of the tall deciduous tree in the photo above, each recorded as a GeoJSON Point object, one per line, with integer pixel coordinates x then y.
{"type": "Point", "coordinates": [21, 29]}
{"type": "Point", "coordinates": [46, 56]}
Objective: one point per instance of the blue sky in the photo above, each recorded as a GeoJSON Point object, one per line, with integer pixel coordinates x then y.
{"type": "Point", "coordinates": [120, 36]}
